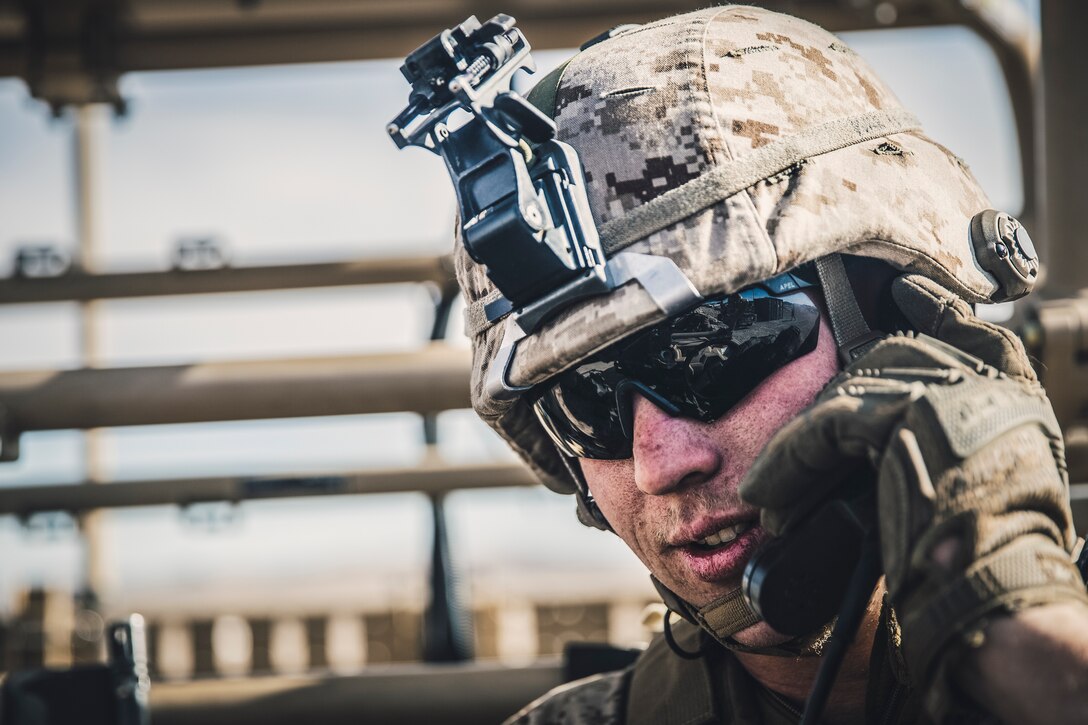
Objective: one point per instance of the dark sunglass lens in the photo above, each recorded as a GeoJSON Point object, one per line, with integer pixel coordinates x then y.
{"type": "Point", "coordinates": [579, 413]}
{"type": "Point", "coordinates": [698, 364]}
{"type": "Point", "coordinates": [707, 360]}
{"type": "Point", "coordinates": [770, 334]}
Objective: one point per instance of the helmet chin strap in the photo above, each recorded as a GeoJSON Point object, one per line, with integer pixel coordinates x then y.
{"type": "Point", "coordinates": [588, 512]}
{"type": "Point", "coordinates": [729, 614]}
{"type": "Point", "coordinates": [852, 334]}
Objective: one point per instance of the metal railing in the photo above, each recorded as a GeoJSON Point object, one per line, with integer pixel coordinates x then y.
{"type": "Point", "coordinates": [79, 286]}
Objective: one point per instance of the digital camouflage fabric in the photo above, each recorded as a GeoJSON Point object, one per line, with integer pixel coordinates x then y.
{"type": "Point", "coordinates": [667, 103]}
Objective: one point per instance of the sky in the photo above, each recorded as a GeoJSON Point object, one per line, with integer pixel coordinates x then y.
{"type": "Point", "coordinates": [288, 165]}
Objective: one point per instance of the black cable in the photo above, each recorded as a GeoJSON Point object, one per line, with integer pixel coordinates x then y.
{"type": "Point", "coordinates": [853, 609]}
{"type": "Point", "coordinates": [677, 649]}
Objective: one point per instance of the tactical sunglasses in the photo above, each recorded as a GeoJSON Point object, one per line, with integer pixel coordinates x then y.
{"type": "Point", "coordinates": [697, 364]}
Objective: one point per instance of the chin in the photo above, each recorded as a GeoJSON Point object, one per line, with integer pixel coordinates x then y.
{"type": "Point", "coordinates": [760, 635]}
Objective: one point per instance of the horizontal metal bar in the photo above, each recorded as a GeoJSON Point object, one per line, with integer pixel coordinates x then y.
{"type": "Point", "coordinates": [77, 286]}
{"type": "Point", "coordinates": [308, 40]}
{"type": "Point", "coordinates": [182, 34]}
{"type": "Point", "coordinates": [430, 380]}
{"type": "Point", "coordinates": [455, 694]}
{"type": "Point", "coordinates": [429, 479]}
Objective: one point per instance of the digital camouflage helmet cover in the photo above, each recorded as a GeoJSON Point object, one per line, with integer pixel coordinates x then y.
{"type": "Point", "coordinates": [740, 143]}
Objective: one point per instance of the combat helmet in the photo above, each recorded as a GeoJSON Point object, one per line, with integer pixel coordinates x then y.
{"type": "Point", "coordinates": [739, 143]}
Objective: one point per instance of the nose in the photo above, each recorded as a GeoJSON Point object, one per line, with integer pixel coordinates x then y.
{"type": "Point", "coordinates": [669, 452]}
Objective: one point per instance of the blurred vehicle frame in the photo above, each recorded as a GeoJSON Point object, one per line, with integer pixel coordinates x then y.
{"type": "Point", "coordinates": [72, 53]}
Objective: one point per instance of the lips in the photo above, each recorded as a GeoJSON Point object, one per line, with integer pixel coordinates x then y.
{"type": "Point", "coordinates": [723, 552]}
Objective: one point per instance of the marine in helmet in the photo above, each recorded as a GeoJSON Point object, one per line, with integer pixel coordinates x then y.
{"type": "Point", "coordinates": [806, 326]}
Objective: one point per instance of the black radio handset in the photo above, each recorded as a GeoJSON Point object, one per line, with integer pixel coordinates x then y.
{"type": "Point", "coordinates": [825, 567]}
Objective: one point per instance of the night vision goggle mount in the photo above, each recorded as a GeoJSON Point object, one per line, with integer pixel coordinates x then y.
{"type": "Point", "coordinates": [521, 193]}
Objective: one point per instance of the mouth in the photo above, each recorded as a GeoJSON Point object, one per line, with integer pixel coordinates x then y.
{"type": "Point", "coordinates": [721, 553]}
{"type": "Point", "coordinates": [723, 536]}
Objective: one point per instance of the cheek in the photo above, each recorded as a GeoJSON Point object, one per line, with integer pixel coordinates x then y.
{"type": "Point", "coordinates": [795, 386]}
{"type": "Point", "coordinates": [812, 373]}
{"type": "Point", "coordinates": [754, 421]}
{"type": "Point", "coordinates": [612, 485]}
{"type": "Point", "coordinates": [608, 482]}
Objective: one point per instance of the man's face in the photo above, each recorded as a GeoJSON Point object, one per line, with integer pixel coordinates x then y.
{"type": "Point", "coordinates": [680, 487]}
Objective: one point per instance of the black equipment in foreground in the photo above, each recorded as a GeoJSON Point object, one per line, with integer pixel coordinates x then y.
{"type": "Point", "coordinates": [827, 567]}
{"type": "Point", "coordinates": [115, 693]}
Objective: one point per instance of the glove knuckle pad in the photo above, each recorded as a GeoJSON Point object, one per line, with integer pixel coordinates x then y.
{"type": "Point", "coordinates": [973, 413]}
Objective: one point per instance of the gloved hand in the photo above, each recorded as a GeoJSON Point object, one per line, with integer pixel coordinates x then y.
{"type": "Point", "coordinates": [932, 310]}
{"type": "Point", "coordinates": [972, 489]}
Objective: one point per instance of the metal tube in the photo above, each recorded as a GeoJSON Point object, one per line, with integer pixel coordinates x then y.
{"type": "Point", "coordinates": [447, 623]}
{"type": "Point", "coordinates": [99, 576]}
{"type": "Point", "coordinates": [1013, 36]}
{"type": "Point", "coordinates": [453, 694]}
{"type": "Point", "coordinates": [79, 286]}
{"type": "Point", "coordinates": [184, 34]}
{"type": "Point", "coordinates": [432, 379]}
{"type": "Point", "coordinates": [1064, 109]}
{"type": "Point", "coordinates": [430, 479]}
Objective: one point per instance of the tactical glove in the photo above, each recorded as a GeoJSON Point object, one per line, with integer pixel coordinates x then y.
{"type": "Point", "coordinates": [972, 489]}
{"type": "Point", "coordinates": [934, 311]}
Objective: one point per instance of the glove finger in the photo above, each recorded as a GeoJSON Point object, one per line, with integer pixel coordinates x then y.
{"type": "Point", "coordinates": [810, 456]}
{"type": "Point", "coordinates": [912, 357]}
{"type": "Point", "coordinates": [935, 311]}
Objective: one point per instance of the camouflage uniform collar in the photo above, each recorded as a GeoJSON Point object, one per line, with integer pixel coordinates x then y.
{"type": "Point", "coordinates": [668, 690]}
